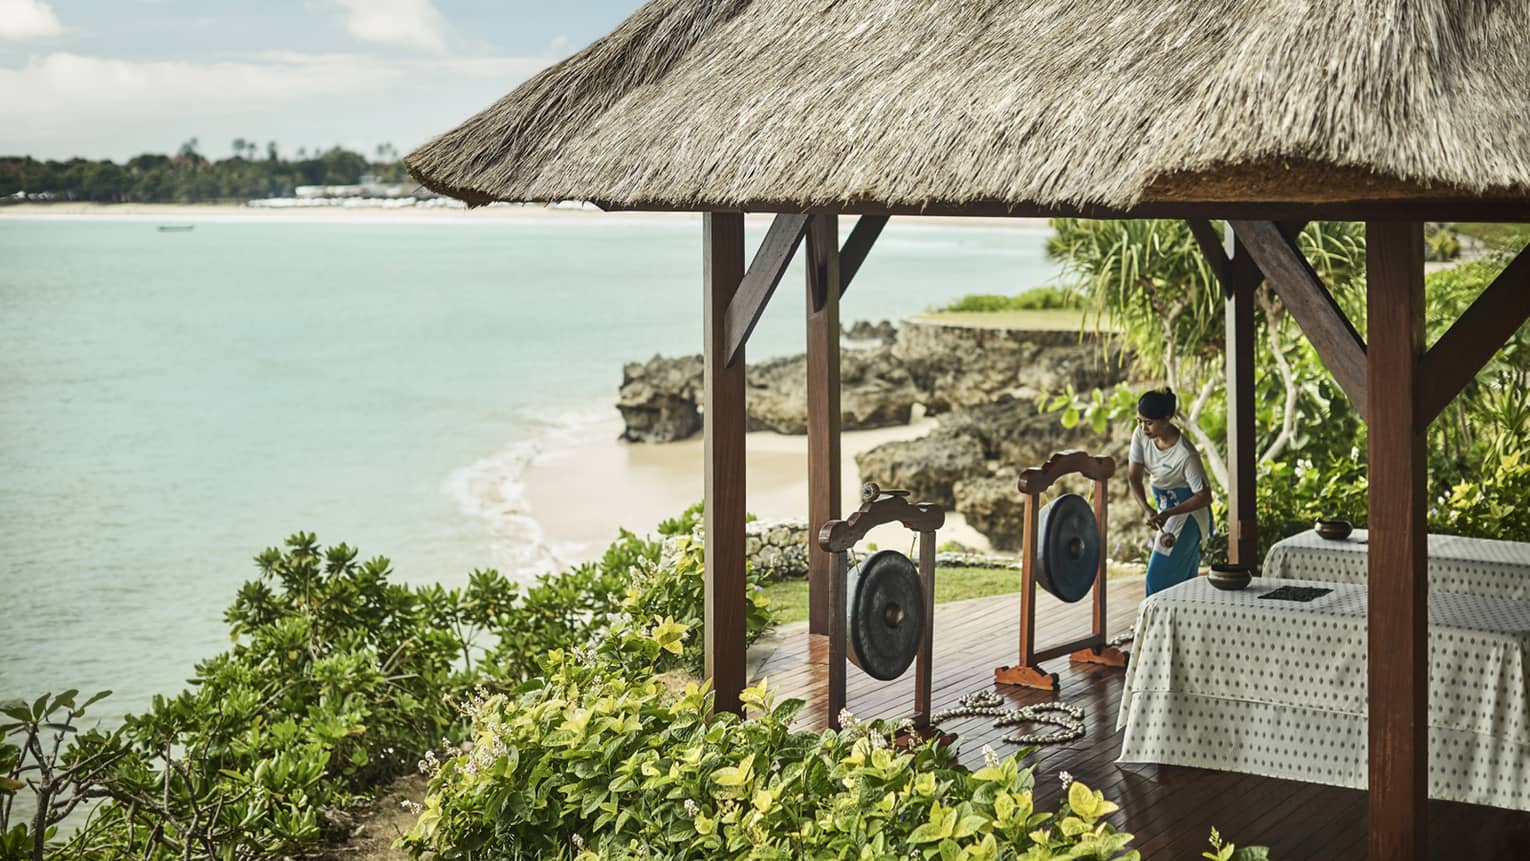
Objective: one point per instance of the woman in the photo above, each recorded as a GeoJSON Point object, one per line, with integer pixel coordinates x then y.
{"type": "Point", "coordinates": [1183, 518]}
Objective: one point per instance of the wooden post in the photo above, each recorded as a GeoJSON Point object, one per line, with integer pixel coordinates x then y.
{"type": "Point", "coordinates": [838, 588]}
{"type": "Point", "coordinates": [1101, 517]}
{"type": "Point", "coordinates": [1398, 585]}
{"type": "Point", "coordinates": [924, 664]}
{"type": "Point", "coordinates": [723, 264]}
{"type": "Point", "coordinates": [823, 291]}
{"type": "Point", "coordinates": [1029, 532]}
{"type": "Point", "coordinates": [1243, 524]}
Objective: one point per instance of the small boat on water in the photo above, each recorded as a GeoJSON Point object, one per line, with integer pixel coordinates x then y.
{"type": "Point", "coordinates": [176, 228]}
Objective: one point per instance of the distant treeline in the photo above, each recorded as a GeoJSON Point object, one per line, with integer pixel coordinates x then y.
{"type": "Point", "coordinates": [189, 177]}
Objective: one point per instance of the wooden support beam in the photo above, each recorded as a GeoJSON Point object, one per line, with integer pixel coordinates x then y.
{"type": "Point", "coordinates": [1211, 249]}
{"type": "Point", "coordinates": [1468, 345]}
{"type": "Point", "coordinates": [1302, 292]}
{"type": "Point", "coordinates": [1243, 278]}
{"type": "Point", "coordinates": [862, 236]}
{"type": "Point", "coordinates": [723, 267]}
{"type": "Point", "coordinates": [1398, 591]}
{"type": "Point", "coordinates": [1292, 229]}
{"type": "Point", "coordinates": [765, 271]}
{"type": "Point", "coordinates": [823, 417]}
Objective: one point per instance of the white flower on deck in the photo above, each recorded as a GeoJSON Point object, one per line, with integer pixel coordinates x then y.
{"type": "Point", "coordinates": [1066, 778]}
{"type": "Point", "coordinates": [990, 757]}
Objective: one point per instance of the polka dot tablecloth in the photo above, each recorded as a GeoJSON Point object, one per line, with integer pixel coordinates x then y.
{"type": "Point", "coordinates": [1230, 681]}
{"type": "Point", "coordinates": [1480, 566]}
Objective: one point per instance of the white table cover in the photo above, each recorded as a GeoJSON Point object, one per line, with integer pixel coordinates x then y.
{"type": "Point", "coordinates": [1480, 566]}
{"type": "Point", "coordinates": [1231, 681]}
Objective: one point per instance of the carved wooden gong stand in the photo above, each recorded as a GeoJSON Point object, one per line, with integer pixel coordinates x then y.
{"type": "Point", "coordinates": [838, 537]}
{"type": "Point", "coordinates": [1092, 649]}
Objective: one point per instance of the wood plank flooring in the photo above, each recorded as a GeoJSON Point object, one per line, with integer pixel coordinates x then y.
{"type": "Point", "coordinates": [1170, 809]}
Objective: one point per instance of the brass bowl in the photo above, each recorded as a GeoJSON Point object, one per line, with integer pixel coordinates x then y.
{"type": "Point", "coordinates": [1334, 530]}
{"type": "Point", "coordinates": [1230, 577]}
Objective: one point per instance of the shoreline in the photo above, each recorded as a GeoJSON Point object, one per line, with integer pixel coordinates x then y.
{"type": "Point", "coordinates": [582, 492]}
{"type": "Point", "coordinates": [492, 214]}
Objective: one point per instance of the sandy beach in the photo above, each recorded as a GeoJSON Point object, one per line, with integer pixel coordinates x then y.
{"type": "Point", "coordinates": [581, 494]}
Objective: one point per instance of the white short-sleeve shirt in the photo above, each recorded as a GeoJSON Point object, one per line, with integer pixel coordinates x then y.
{"type": "Point", "coordinates": [1179, 465]}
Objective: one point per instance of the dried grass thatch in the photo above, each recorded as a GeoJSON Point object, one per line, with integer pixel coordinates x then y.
{"type": "Point", "coordinates": [796, 104]}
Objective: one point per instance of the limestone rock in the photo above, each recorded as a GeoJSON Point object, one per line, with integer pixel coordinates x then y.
{"type": "Point", "coordinates": [992, 505]}
{"type": "Point", "coordinates": [1012, 432]}
{"type": "Point", "coordinates": [874, 392]}
{"type": "Point", "coordinates": [864, 330]}
{"type": "Point", "coordinates": [959, 366]}
{"type": "Point", "coordinates": [659, 399]}
{"type": "Point", "coordinates": [928, 467]}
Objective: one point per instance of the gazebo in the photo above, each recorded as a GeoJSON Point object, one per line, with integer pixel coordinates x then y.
{"type": "Point", "coordinates": [1264, 115]}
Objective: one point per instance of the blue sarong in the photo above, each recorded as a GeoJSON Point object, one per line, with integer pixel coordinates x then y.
{"type": "Point", "coordinates": [1184, 559]}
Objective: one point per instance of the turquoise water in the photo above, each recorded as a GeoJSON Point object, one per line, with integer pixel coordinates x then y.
{"type": "Point", "coordinates": [172, 403]}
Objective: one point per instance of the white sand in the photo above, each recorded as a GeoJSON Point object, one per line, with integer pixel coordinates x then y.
{"type": "Point", "coordinates": [581, 494]}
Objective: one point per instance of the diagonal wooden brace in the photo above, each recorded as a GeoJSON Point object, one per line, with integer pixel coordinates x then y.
{"type": "Point", "coordinates": [1211, 248]}
{"type": "Point", "coordinates": [760, 281]}
{"type": "Point", "coordinates": [1468, 345]}
{"type": "Point", "coordinates": [1302, 292]}
{"type": "Point", "coordinates": [857, 245]}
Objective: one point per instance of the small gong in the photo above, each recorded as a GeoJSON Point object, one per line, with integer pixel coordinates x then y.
{"type": "Point", "coordinates": [885, 615]}
{"type": "Point", "coordinates": [1067, 547]}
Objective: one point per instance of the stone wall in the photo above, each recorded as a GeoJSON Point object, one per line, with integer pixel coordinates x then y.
{"type": "Point", "coordinates": [776, 549]}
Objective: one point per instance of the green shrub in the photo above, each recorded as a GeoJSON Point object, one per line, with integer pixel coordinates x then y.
{"type": "Point", "coordinates": [675, 590]}
{"type": "Point", "coordinates": [337, 682]}
{"type": "Point", "coordinates": [599, 765]}
{"type": "Point", "coordinates": [1441, 243]}
{"type": "Point", "coordinates": [1034, 299]}
{"type": "Point", "coordinates": [981, 303]}
{"type": "Point", "coordinates": [1494, 506]}
{"type": "Point", "coordinates": [1048, 299]}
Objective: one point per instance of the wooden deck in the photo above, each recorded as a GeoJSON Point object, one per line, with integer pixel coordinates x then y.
{"type": "Point", "coordinates": [1170, 809]}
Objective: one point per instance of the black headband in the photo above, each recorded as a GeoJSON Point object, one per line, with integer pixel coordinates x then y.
{"type": "Point", "coordinates": [1157, 404]}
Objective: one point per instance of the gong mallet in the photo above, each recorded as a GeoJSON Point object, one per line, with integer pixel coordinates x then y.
{"type": "Point", "coordinates": [838, 537]}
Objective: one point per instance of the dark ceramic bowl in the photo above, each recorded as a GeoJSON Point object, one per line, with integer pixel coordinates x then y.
{"type": "Point", "coordinates": [1230, 577]}
{"type": "Point", "coordinates": [1334, 530]}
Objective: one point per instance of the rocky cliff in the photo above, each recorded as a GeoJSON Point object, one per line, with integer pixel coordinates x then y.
{"type": "Point", "coordinates": [882, 375]}
{"type": "Point", "coordinates": [982, 383]}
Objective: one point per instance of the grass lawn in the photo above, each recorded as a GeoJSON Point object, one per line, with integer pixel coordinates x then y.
{"type": "Point", "coordinates": [1056, 320]}
{"type": "Point", "coordinates": [790, 598]}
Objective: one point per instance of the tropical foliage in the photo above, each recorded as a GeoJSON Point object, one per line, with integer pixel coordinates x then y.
{"type": "Point", "coordinates": [596, 764]}
{"type": "Point", "coordinates": [337, 682]}
{"type": "Point", "coordinates": [1149, 279]}
{"type": "Point", "coordinates": [1035, 299]}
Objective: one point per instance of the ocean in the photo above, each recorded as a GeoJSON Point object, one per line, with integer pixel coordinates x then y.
{"type": "Point", "coordinates": [172, 403]}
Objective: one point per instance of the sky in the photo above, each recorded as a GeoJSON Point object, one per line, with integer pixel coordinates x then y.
{"type": "Point", "coordinates": [116, 78]}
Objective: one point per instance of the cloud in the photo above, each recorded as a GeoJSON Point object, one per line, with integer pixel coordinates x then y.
{"type": "Point", "coordinates": [404, 23]}
{"type": "Point", "coordinates": [63, 104]}
{"type": "Point", "coordinates": [27, 19]}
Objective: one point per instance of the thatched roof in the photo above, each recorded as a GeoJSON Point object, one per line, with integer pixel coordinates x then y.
{"type": "Point", "coordinates": [795, 104]}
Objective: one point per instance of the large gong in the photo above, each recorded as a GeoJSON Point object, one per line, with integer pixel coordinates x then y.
{"type": "Point", "coordinates": [885, 614]}
{"type": "Point", "coordinates": [1067, 547]}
